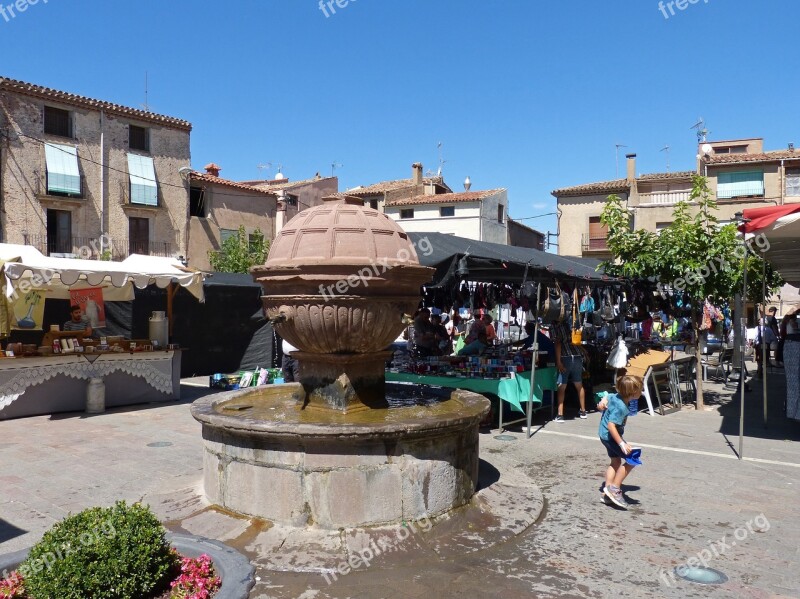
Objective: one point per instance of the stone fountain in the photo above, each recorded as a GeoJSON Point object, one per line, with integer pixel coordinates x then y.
{"type": "Point", "coordinates": [336, 450]}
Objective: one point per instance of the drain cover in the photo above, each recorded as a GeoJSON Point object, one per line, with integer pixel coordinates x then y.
{"type": "Point", "coordinates": [701, 575]}
{"type": "Point", "coordinates": [160, 444]}
{"type": "Point", "coordinates": [505, 437]}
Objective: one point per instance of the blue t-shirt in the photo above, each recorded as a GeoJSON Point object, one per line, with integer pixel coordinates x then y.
{"type": "Point", "coordinates": [616, 412]}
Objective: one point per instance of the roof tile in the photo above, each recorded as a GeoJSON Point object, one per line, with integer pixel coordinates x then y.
{"type": "Point", "coordinates": [444, 198]}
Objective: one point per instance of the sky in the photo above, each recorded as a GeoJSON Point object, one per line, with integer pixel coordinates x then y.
{"type": "Point", "coordinates": [522, 94]}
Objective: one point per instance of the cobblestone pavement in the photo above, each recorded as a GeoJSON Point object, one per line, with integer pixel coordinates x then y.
{"type": "Point", "coordinates": [695, 500]}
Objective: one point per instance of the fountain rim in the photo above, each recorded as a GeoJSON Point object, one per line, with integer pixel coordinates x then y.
{"type": "Point", "coordinates": [474, 409]}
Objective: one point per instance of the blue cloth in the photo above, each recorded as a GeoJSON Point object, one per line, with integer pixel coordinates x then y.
{"type": "Point", "coordinates": [617, 412]}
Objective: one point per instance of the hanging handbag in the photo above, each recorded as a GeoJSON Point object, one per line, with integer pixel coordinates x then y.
{"type": "Point", "coordinates": [607, 310]}
{"type": "Point", "coordinates": [577, 336]}
{"type": "Point", "coordinates": [553, 305]}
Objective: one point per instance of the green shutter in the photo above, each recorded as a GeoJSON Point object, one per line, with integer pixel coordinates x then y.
{"type": "Point", "coordinates": [63, 174]}
{"type": "Point", "coordinates": [144, 189]}
{"type": "Point", "coordinates": [740, 184]}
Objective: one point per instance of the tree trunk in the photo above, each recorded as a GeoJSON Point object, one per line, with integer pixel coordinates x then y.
{"type": "Point", "coordinates": [699, 356]}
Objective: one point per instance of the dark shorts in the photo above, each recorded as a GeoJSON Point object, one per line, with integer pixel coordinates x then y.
{"type": "Point", "coordinates": [574, 370]}
{"type": "Point", "coordinates": [613, 449]}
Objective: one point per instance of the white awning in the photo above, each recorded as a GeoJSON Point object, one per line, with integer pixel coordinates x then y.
{"type": "Point", "coordinates": [26, 268]}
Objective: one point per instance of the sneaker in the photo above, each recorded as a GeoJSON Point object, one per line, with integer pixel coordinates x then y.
{"type": "Point", "coordinates": [615, 495]}
{"type": "Point", "coordinates": [582, 415]}
{"type": "Point", "coordinates": [558, 419]}
{"type": "Point", "coordinates": [603, 497]}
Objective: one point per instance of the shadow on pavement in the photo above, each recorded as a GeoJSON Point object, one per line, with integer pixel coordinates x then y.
{"type": "Point", "coordinates": [9, 531]}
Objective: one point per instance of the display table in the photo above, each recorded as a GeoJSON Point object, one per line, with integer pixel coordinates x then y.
{"type": "Point", "coordinates": [514, 391]}
{"type": "Point", "coordinates": [47, 385]}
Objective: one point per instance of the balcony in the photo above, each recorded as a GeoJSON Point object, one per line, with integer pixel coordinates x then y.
{"type": "Point", "coordinates": [124, 247]}
{"type": "Point", "coordinates": [593, 245]}
{"type": "Point", "coordinates": [664, 197]}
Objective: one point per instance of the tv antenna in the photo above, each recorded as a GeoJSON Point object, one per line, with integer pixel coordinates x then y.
{"type": "Point", "coordinates": [442, 161]}
{"type": "Point", "coordinates": [146, 106]}
{"type": "Point", "coordinates": [666, 149]}
{"type": "Point", "coordinates": [618, 146]}
{"type": "Point", "coordinates": [334, 166]}
{"type": "Point", "coordinates": [702, 132]}
{"type": "Point", "coordinates": [264, 167]}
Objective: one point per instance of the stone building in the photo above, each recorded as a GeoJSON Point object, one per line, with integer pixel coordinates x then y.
{"type": "Point", "coordinates": [74, 169]}
{"type": "Point", "coordinates": [740, 175]}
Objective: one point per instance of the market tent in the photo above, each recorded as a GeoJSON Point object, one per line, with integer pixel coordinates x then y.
{"type": "Point", "coordinates": [496, 262]}
{"type": "Point", "coordinates": [24, 267]}
{"type": "Point", "coordinates": [780, 225]}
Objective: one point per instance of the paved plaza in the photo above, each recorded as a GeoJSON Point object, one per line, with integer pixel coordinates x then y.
{"type": "Point", "coordinates": [696, 500]}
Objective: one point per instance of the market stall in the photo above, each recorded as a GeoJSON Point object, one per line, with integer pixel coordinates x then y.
{"type": "Point", "coordinates": [71, 369]}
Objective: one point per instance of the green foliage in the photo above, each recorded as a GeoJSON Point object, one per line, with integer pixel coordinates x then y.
{"type": "Point", "coordinates": [104, 553]}
{"type": "Point", "coordinates": [240, 252]}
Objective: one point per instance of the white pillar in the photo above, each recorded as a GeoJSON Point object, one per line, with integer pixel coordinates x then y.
{"type": "Point", "coordinates": [95, 396]}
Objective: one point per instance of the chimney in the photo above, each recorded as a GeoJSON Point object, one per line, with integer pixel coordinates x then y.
{"type": "Point", "coordinates": [631, 166]}
{"type": "Point", "coordinates": [213, 169]}
{"type": "Point", "coordinates": [416, 173]}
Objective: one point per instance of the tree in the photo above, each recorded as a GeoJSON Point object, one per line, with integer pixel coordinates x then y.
{"type": "Point", "coordinates": [240, 252]}
{"type": "Point", "coordinates": [694, 255]}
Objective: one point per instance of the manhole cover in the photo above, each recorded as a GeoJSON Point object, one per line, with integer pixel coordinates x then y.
{"type": "Point", "coordinates": [505, 437]}
{"type": "Point", "coordinates": [159, 444]}
{"type": "Point", "coordinates": [701, 575]}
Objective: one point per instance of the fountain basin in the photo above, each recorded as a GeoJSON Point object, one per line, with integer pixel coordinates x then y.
{"type": "Point", "coordinates": [266, 456]}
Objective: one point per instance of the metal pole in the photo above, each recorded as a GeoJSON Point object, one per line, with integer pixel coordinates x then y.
{"type": "Point", "coordinates": [743, 325]}
{"type": "Point", "coordinates": [765, 349]}
{"type": "Point", "coordinates": [533, 360]}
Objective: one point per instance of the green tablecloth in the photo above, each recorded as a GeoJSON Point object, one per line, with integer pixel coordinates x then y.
{"type": "Point", "coordinates": [514, 391]}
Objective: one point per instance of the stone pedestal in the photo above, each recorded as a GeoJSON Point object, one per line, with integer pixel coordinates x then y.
{"type": "Point", "coordinates": [96, 396]}
{"type": "Point", "coordinates": [343, 382]}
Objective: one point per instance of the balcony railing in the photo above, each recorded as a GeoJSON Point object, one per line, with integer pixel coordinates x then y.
{"type": "Point", "coordinates": [89, 248]}
{"type": "Point", "coordinates": [666, 197]}
{"type": "Point", "coordinates": [594, 244]}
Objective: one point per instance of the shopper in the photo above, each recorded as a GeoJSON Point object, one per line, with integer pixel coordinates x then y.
{"type": "Point", "coordinates": [569, 362]}
{"type": "Point", "coordinates": [611, 431]}
{"type": "Point", "coordinates": [476, 340]}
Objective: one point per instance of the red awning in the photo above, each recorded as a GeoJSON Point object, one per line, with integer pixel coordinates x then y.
{"type": "Point", "coordinates": [764, 217]}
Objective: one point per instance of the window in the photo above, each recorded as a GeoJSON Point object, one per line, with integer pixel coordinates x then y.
{"type": "Point", "coordinates": [57, 122]}
{"type": "Point", "coordinates": [253, 241]}
{"type": "Point", "coordinates": [501, 214]}
{"type": "Point", "coordinates": [225, 234]}
{"type": "Point", "coordinates": [144, 189]}
{"type": "Point", "coordinates": [447, 211]}
{"type": "Point", "coordinates": [138, 138]}
{"type": "Point", "coordinates": [63, 174]}
{"type": "Point", "coordinates": [661, 226]}
{"type": "Point", "coordinates": [59, 232]}
{"type": "Point", "coordinates": [373, 204]}
{"type": "Point", "coordinates": [741, 184]}
{"type": "Point", "coordinates": [407, 213]}
{"type": "Point", "coordinates": [598, 234]}
{"type": "Point", "coordinates": [138, 235]}
{"type": "Point", "coordinates": [197, 202]}
{"type": "Point", "coordinates": [730, 150]}
{"type": "Point", "coordinates": [793, 183]}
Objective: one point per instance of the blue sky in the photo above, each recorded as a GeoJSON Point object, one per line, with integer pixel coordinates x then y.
{"type": "Point", "coordinates": [523, 94]}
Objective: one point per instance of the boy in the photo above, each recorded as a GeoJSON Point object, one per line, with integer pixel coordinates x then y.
{"type": "Point", "coordinates": [612, 427]}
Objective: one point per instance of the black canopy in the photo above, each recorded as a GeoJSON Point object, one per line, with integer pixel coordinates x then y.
{"type": "Point", "coordinates": [488, 262]}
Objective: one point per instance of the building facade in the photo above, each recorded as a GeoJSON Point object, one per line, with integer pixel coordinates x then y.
{"type": "Point", "coordinates": [740, 175]}
{"type": "Point", "coordinates": [77, 172]}
{"type": "Point", "coordinates": [218, 207]}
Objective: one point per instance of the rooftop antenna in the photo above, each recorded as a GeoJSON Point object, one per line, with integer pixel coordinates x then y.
{"type": "Point", "coordinates": [146, 106]}
{"type": "Point", "coordinates": [334, 166]}
{"type": "Point", "coordinates": [441, 160]}
{"type": "Point", "coordinates": [666, 149]}
{"type": "Point", "coordinates": [265, 166]}
{"type": "Point", "coordinates": [618, 146]}
{"type": "Point", "coordinates": [702, 132]}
